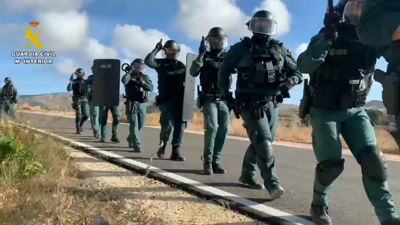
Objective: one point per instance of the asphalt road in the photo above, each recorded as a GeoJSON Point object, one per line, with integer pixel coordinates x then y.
{"type": "Point", "coordinates": [295, 167]}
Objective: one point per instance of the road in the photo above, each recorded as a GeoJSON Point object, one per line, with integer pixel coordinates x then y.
{"type": "Point", "coordinates": [295, 167]}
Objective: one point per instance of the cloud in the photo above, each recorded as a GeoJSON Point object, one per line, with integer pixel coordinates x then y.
{"type": "Point", "coordinates": [197, 17]}
{"type": "Point", "coordinates": [65, 67]}
{"type": "Point", "coordinates": [94, 50]}
{"type": "Point", "coordinates": [19, 6]}
{"type": "Point", "coordinates": [134, 42]}
{"type": "Point", "coordinates": [300, 49]}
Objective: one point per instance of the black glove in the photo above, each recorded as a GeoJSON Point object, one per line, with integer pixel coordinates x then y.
{"type": "Point", "coordinates": [159, 45]}
{"type": "Point", "coordinates": [202, 48]}
{"type": "Point", "coordinates": [289, 84]}
{"type": "Point", "coordinates": [331, 22]}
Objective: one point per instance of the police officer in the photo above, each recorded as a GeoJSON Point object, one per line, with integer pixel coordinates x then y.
{"type": "Point", "coordinates": [93, 110]}
{"type": "Point", "coordinates": [341, 70]}
{"type": "Point", "coordinates": [215, 111]}
{"type": "Point", "coordinates": [8, 97]}
{"type": "Point", "coordinates": [265, 71]}
{"type": "Point", "coordinates": [103, 117]}
{"type": "Point", "coordinates": [379, 25]}
{"type": "Point", "coordinates": [137, 85]}
{"type": "Point", "coordinates": [79, 90]}
{"type": "Point", "coordinates": [171, 81]}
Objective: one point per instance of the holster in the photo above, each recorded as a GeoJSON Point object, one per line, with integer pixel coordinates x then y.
{"type": "Point", "coordinates": [390, 91]}
{"type": "Point", "coordinates": [232, 105]}
{"type": "Point", "coordinates": [73, 106]}
{"type": "Point", "coordinates": [306, 101]}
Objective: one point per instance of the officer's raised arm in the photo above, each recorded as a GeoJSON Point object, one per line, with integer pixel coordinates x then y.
{"type": "Point", "coordinates": [147, 84]}
{"type": "Point", "coordinates": [231, 60]}
{"type": "Point", "coordinates": [126, 78]}
{"type": "Point", "coordinates": [198, 63]}
{"type": "Point", "coordinates": [317, 50]}
{"type": "Point", "coordinates": [150, 59]}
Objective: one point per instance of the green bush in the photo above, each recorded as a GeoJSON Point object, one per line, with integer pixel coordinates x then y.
{"type": "Point", "coordinates": [377, 116]}
{"type": "Point", "coordinates": [18, 162]}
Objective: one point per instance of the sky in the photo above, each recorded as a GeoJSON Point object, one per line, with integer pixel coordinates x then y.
{"type": "Point", "coordinates": [79, 31]}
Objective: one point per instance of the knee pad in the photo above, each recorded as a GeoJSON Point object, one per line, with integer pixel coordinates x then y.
{"type": "Point", "coordinates": [326, 172]}
{"type": "Point", "coordinates": [264, 150]}
{"type": "Point", "coordinates": [373, 164]}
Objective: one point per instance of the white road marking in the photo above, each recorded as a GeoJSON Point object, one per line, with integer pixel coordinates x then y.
{"type": "Point", "coordinates": [180, 179]}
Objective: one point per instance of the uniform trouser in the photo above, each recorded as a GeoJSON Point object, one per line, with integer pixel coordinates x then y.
{"type": "Point", "coordinates": [103, 112]}
{"type": "Point", "coordinates": [9, 109]}
{"type": "Point", "coordinates": [357, 130]}
{"type": "Point", "coordinates": [261, 131]}
{"type": "Point", "coordinates": [379, 20]}
{"type": "Point", "coordinates": [94, 118]}
{"type": "Point", "coordinates": [171, 119]}
{"type": "Point", "coordinates": [136, 117]}
{"type": "Point", "coordinates": [216, 124]}
{"type": "Point", "coordinates": [81, 112]}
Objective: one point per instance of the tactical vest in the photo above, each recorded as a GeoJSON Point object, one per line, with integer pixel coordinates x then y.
{"type": "Point", "coordinates": [265, 72]}
{"type": "Point", "coordinates": [344, 79]}
{"type": "Point", "coordinates": [170, 86]}
{"type": "Point", "coordinates": [135, 93]}
{"type": "Point", "coordinates": [78, 89]}
{"type": "Point", "coordinates": [8, 92]}
{"type": "Point", "coordinates": [209, 73]}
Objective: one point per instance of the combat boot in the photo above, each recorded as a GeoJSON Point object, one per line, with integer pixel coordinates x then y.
{"type": "Point", "coordinates": [103, 139]}
{"type": "Point", "coordinates": [217, 169]}
{"type": "Point", "coordinates": [176, 154]}
{"type": "Point", "coordinates": [130, 145]}
{"type": "Point", "coordinates": [78, 130]}
{"type": "Point", "coordinates": [320, 215]}
{"type": "Point", "coordinates": [97, 136]}
{"type": "Point", "coordinates": [161, 150]}
{"type": "Point", "coordinates": [251, 183]}
{"type": "Point", "coordinates": [81, 128]}
{"type": "Point", "coordinates": [391, 222]}
{"type": "Point", "coordinates": [207, 169]}
{"type": "Point", "coordinates": [114, 139]}
{"type": "Point", "coordinates": [276, 192]}
{"type": "Point", "coordinates": [137, 150]}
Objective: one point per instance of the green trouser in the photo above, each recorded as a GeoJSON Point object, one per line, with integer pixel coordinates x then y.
{"type": "Point", "coordinates": [378, 22]}
{"type": "Point", "coordinates": [81, 111]}
{"type": "Point", "coordinates": [357, 130]}
{"type": "Point", "coordinates": [216, 124]}
{"type": "Point", "coordinates": [9, 109]}
{"type": "Point", "coordinates": [136, 115]}
{"type": "Point", "coordinates": [171, 119]}
{"type": "Point", "coordinates": [103, 112]}
{"type": "Point", "coordinates": [94, 119]}
{"type": "Point", "coordinates": [261, 133]}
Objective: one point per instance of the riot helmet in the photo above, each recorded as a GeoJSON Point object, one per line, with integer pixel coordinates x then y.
{"type": "Point", "coordinates": [7, 81]}
{"type": "Point", "coordinates": [138, 65]}
{"type": "Point", "coordinates": [352, 12]}
{"type": "Point", "coordinates": [79, 73]}
{"type": "Point", "coordinates": [217, 39]}
{"type": "Point", "coordinates": [263, 23]}
{"type": "Point", "coordinates": [171, 49]}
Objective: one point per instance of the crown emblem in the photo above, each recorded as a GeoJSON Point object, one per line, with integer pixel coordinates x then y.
{"type": "Point", "coordinates": [34, 24]}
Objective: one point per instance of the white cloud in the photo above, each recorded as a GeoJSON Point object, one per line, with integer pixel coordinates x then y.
{"type": "Point", "coordinates": [135, 42]}
{"type": "Point", "coordinates": [300, 49]}
{"type": "Point", "coordinates": [19, 6]}
{"type": "Point", "coordinates": [65, 67]}
{"type": "Point", "coordinates": [197, 17]}
{"type": "Point", "coordinates": [94, 50]}
{"type": "Point", "coordinates": [64, 32]}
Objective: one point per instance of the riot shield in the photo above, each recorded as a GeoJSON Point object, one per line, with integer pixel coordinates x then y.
{"type": "Point", "coordinates": [106, 82]}
{"type": "Point", "coordinates": [190, 83]}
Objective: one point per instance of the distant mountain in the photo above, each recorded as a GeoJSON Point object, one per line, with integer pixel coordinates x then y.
{"type": "Point", "coordinates": [375, 104]}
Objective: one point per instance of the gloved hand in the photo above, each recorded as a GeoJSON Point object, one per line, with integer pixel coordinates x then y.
{"type": "Point", "coordinates": [202, 48]}
{"type": "Point", "coordinates": [71, 78]}
{"type": "Point", "coordinates": [331, 22]}
{"type": "Point", "coordinates": [159, 45]}
{"type": "Point", "coordinates": [286, 86]}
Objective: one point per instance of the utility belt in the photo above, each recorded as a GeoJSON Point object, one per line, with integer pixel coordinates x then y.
{"type": "Point", "coordinates": [202, 97]}
{"type": "Point", "coordinates": [340, 102]}
{"type": "Point", "coordinates": [248, 102]}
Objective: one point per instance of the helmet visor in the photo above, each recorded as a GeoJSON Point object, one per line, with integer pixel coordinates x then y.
{"type": "Point", "coordinates": [352, 12]}
{"type": "Point", "coordinates": [217, 43]}
{"type": "Point", "coordinates": [138, 66]}
{"type": "Point", "coordinates": [261, 25]}
{"type": "Point", "coordinates": [79, 73]}
{"type": "Point", "coordinates": [170, 53]}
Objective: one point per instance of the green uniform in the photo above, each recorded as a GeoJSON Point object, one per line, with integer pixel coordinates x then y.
{"type": "Point", "coordinates": [79, 88]}
{"type": "Point", "coordinates": [136, 105]}
{"type": "Point", "coordinates": [341, 77]}
{"type": "Point", "coordinates": [257, 96]}
{"type": "Point", "coordinates": [215, 110]}
{"type": "Point", "coordinates": [171, 78]}
{"type": "Point", "coordinates": [103, 114]}
{"type": "Point", "coordinates": [93, 110]}
{"type": "Point", "coordinates": [8, 98]}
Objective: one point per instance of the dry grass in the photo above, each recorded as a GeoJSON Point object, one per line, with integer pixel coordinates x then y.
{"type": "Point", "coordinates": [35, 184]}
